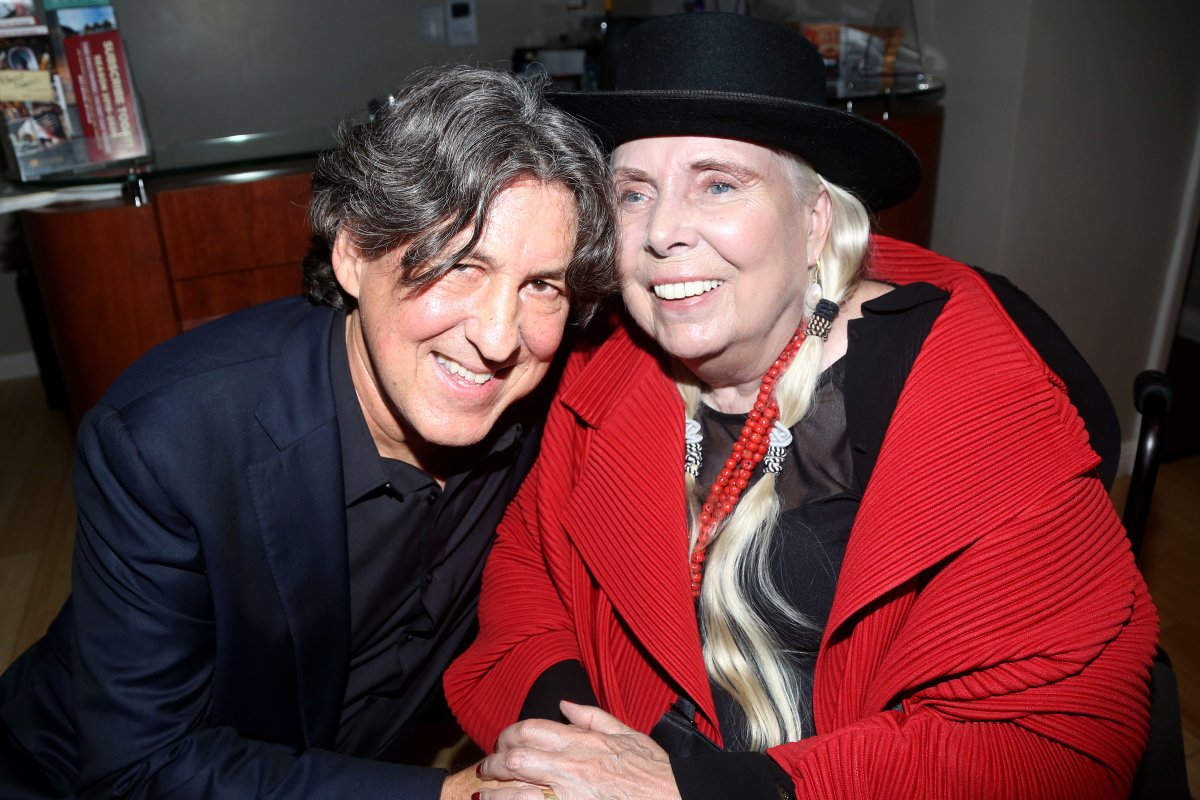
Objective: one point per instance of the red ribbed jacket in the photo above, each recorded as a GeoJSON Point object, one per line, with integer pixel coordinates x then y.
{"type": "Point", "coordinates": [987, 585]}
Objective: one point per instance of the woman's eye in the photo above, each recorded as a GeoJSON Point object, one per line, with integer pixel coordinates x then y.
{"type": "Point", "coordinates": [633, 196]}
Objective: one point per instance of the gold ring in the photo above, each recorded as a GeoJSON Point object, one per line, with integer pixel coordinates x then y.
{"type": "Point", "coordinates": [548, 793]}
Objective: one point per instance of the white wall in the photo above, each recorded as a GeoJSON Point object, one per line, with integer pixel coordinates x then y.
{"type": "Point", "coordinates": [13, 336]}
{"type": "Point", "coordinates": [983, 47]}
{"type": "Point", "coordinates": [1070, 126]}
{"type": "Point", "coordinates": [1189, 315]}
{"type": "Point", "coordinates": [210, 68]}
{"type": "Point", "coordinates": [16, 356]}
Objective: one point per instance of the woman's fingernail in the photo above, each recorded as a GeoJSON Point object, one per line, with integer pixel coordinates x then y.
{"type": "Point", "coordinates": [475, 796]}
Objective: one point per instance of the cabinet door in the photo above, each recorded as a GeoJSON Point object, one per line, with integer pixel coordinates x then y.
{"type": "Point", "coordinates": [210, 296]}
{"type": "Point", "coordinates": [230, 227]}
{"type": "Point", "coordinates": [919, 123]}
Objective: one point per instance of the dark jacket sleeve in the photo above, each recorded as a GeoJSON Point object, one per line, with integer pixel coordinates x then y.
{"type": "Point", "coordinates": [749, 776]}
{"type": "Point", "coordinates": [566, 680]}
{"type": "Point", "coordinates": [145, 653]}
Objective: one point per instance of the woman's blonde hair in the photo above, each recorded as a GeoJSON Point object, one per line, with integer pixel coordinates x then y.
{"type": "Point", "coordinates": [742, 653]}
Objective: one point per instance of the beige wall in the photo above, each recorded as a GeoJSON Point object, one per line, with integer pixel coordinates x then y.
{"type": "Point", "coordinates": [207, 68]}
{"type": "Point", "coordinates": [13, 337]}
{"type": "Point", "coordinates": [1070, 130]}
{"type": "Point", "coordinates": [14, 341]}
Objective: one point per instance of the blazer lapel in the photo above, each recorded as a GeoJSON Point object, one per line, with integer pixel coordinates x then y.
{"type": "Point", "coordinates": [637, 551]}
{"type": "Point", "coordinates": [299, 501]}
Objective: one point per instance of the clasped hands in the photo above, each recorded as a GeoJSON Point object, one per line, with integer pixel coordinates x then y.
{"type": "Point", "coordinates": [595, 756]}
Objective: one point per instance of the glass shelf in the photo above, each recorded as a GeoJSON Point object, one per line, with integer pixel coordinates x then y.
{"type": "Point", "coordinates": [230, 155]}
{"type": "Point", "coordinates": [883, 87]}
{"type": "Point", "coordinates": [255, 155]}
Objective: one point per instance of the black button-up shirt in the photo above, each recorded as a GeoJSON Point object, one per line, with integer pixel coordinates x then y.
{"type": "Point", "coordinates": [416, 553]}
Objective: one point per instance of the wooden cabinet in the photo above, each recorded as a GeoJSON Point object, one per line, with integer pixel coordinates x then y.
{"type": "Point", "coordinates": [231, 245]}
{"type": "Point", "coordinates": [918, 121]}
{"type": "Point", "coordinates": [117, 279]}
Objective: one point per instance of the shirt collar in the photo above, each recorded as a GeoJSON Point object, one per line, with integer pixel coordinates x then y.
{"type": "Point", "coordinates": [905, 297]}
{"type": "Point", "coordinates": [362, 469]}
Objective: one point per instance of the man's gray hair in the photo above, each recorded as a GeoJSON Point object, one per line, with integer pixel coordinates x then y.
{"type": "Point", "coordinates": [428, 164]}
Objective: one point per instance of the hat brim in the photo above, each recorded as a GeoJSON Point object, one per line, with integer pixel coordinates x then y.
{"type": "Point", "coordinates": [855, 153]}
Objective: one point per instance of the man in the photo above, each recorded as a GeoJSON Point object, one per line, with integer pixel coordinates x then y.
{"type": "Point", "coordinates": [283, 515]}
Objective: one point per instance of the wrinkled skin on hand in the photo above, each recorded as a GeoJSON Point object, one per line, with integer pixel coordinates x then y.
{"type": "Point", "coordinates": [596, 757]}
{"type": "Point", "coordinates": [465, 783]}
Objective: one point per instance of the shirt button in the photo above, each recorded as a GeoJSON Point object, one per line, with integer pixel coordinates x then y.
{"type": "Point", "coordinates": [431, 497]}
{"type": "Point", "coordinates": [428, 577]}
{"type": "Point", "coordinates": [408, 637]}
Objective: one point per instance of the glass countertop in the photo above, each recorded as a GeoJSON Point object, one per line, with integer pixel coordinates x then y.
{"type": "Point", "coordinates": [251, 152]}
{"type": "Point", "coordinates": [883, 87]}
{"type": "Point", "coordinates": [242, 156]}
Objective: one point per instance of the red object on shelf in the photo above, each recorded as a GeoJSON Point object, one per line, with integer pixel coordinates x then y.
{"type": "Point", "coordinates": [108, 113]}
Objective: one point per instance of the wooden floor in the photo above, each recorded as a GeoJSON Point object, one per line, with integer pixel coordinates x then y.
{"type": "Point", "coordinates": [1171, 563]}
{"type": "Point", "coordinates": [37, 516]}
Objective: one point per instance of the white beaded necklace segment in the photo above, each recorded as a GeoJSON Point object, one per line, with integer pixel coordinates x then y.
{"type": "Point", "coordinates": [693, 442]}
{"type": "Point", "coordinates": [777, 449]}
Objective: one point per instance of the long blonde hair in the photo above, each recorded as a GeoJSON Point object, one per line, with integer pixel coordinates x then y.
{"type": "Point", "coordinates": [741, 652]}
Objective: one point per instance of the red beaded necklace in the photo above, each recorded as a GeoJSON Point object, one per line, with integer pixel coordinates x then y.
{"type": "Point", "coordinates": [748, 451]}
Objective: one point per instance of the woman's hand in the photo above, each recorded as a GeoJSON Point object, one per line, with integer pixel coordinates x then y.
{"type": "Point", "coordinates": [596, 756]}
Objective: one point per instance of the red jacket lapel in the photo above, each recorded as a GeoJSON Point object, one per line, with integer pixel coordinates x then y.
{"type": "Point", "coordinates": [634, 448]}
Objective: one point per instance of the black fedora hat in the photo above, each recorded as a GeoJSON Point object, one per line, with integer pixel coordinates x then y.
{"type": "Point", "coordinates": [740, 77]}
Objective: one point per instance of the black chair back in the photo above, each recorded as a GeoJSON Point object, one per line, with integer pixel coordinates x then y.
{"type": "Point", "coordinates": [1153, 397]}
{"type": "Point", "coordinates": [1162, 775]}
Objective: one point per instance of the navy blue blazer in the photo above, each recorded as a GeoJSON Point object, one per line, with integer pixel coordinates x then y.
{"type": "Point", "coordinates": [212, 546]}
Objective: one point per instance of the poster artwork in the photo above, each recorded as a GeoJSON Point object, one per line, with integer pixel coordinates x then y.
{"type": "Point", "coordinates": [104, 93]}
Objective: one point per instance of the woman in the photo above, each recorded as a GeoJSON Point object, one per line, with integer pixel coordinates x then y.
{"type": "Point", "coordinates": [818, 490]}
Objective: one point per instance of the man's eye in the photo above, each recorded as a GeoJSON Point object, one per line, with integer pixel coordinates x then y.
{"type": "Point", "coordinates": [464, 271]}
{"type": "Point", "coordinates": [543, 287]}
{"type": "Point", "coordinates": [461, 277]}
{"type": "Point", "coordinates": [717, 187]}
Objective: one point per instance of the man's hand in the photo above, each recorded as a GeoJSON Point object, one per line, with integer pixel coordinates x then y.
{"type": "Point", "coordinates": [461, 785]}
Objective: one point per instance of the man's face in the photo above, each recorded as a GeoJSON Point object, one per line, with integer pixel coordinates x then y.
{"type": "Point", "coordinates": [437, 366]}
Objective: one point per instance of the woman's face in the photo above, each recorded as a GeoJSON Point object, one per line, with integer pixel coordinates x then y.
{"type": "Point", "coordinates": [715, 249]}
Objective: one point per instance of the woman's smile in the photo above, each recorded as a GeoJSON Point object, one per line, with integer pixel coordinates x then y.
{"type": "Point", "coordinates": [684, 289]}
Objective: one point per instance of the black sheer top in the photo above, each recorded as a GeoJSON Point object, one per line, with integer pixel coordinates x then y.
{"type": "Point", "coordinates": [818, 498]}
